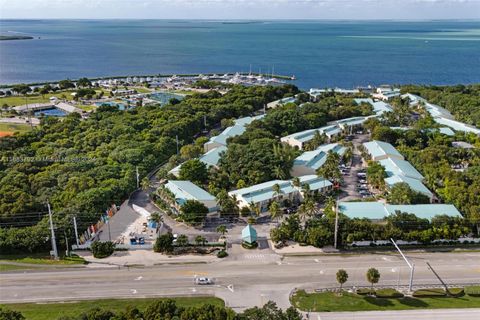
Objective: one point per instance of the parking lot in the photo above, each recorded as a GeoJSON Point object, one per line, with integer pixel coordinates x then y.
{"type": "Point", "coordinates": [355, 180]}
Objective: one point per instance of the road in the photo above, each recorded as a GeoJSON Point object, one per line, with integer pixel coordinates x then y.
{"type": "Point", "coordinates": [242, 283]}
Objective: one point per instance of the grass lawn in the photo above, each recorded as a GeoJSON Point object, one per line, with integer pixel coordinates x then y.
{"type": "Point", "coordinates": [86, 107]}
{"type": "Point", "coordinates": [15, 127]}
{"type": "Point", "coordinates": [37, 98]}
{"type": "Point", "coordinates": [12, 267]}
{"type": "Point", "coordinates": [52, 311]}
{"type": "Point", "coordinates": [329, 301]}
{"type": "Point", "coordinates": [41, 259]}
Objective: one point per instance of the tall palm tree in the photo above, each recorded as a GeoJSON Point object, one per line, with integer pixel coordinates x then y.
{"type": "Point", "coordinates": [156, 217]}
{"type": "Point", "coordinates": [276, 189]}
{"type": "Point", "coordinates": [306, 210]}
{"type": "Point", "coordinates": [222, 229]}
{"type": "Point", "coordinates": [296, 182]}
{"type": "Point", "coordinates": [145, 184]}
{"type": "Point", "coordinates": [278, 173]}
{"type": "Point", "coordinates": [275, 211]}
{"type": "Point", "coordinates": [254, 208]}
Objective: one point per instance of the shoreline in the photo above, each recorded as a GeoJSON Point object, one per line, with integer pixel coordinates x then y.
{"type": "Point", "coordinates": [185, 75]}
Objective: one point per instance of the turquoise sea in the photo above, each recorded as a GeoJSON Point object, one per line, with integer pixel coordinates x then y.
{"type": "Point", "coordinates": [318, 53]}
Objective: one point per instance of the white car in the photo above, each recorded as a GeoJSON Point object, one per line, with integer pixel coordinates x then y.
{"type": "Point", "coordinates": [203, 280]}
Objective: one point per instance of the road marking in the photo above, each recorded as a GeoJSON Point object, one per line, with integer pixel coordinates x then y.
{"type": "Point", "coordinates": [230, 287]}
{"type": "Point", "coordinates": [138, 278]}
{"type": "Point", "coordinates": [194, 290]}
{"type": "Point", "coordinates": [133, 291]}
{"type": "Point", "coordinates": [322, 272]}
{"type": "Point", "coordinates": [316, 260]}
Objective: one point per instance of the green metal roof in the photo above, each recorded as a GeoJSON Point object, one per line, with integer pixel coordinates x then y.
{"type": "Point", "coordinates": [379, 148]}
{"type": "Point", "coordinates": [379, 210]}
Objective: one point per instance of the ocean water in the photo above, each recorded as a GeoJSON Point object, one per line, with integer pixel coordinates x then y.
{"type": "Point", "coordinates": [318, 53]}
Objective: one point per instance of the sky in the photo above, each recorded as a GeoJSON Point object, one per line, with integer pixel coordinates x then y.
{"type": "Point", "coordinates": [241, 9]}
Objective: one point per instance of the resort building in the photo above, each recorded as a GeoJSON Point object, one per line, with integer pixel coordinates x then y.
{"type": "Point", "coordinates": [235, 130]}
{"type": "Point", "coordinates": [457, 125]}
{"type": "Point", "coordinates": [379, 107]}
{"type": "Point", "coordinates": [308, 162]}
{"type": "Point", "coordinates": [379, 150]}
{"type": "Point", "coordinates": [186, 190]}
{"type": "Point", "coordinates": [397, 169]}
{"type": "Point", "coordinates": [210, 159]}
{"type": "Point", "coordinates": [377, 211]}
{"type": "Point", "coordinates": [349, 124]}
{"type": "Point", "coordinates": [386, 93]}
{"type": "Point", "coordinates": [281, 102]}
{"type": "Point", "coordinates": [300, 138]}
{"type": "Point", "coordinates": [441, 115]}
{"type": "Point", "coordinates": [315, 92]}
{"type": "Point", "coordinates": [261, 195]}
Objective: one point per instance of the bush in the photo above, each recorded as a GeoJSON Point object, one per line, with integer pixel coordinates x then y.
{"type": "Point", "coordinates": [431, 292]}
{"type": "Point", "coordinates": [247, 245]}
{"type": "Point", "coordinates": [164, 243]}
{"type": "Point", "coordinates": [6, 314]}
{"type": "Point", "coordinates": [251, 220]}
{"type": "Point", "coordinates": [102, 250]}
{"type": "Point", "coordinates": [473, 291]}
{"type": "Point", "coordinates": [222, 254]}
{"type": "Point", "coordinates": [388, 293]}
{"type": "Point", "coordinates": [456, 292]}
{"type": "Point", "coordinates": [365, 291]}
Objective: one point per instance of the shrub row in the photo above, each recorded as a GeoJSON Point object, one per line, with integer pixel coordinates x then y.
{"type": "Point", "coordinates": [431, 292]}
{"type": "Point", "coordinates": [473, 291]}
{"type": "Point", "coordinates": [388, 293]}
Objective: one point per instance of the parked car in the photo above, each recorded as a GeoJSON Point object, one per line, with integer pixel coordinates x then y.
{"type": "Point", "coordinates": [361, 175]}
{"type": "Point", "coordinates": [203, 281]}
{"type": "Point", "coordinates": [141, 240]}
{"type": "Point", "coordinates": [362, 181]}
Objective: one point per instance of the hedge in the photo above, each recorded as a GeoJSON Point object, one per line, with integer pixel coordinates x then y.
{"type": "Point", "coordinates": [456, 292]}
{"type": "Point", "coordinates": [388, 293]}
{"type": "Point", "coordinates": [222, 254]}
{"type": "Point", "coordinates": [473, 291]}
{"type": "Point", "coordinates": [365, 291]}
{"type": "Point", "coordinates": [430, 292]}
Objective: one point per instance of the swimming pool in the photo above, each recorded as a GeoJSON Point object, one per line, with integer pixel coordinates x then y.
{"type": "Point", "coordinates": [52, 112]}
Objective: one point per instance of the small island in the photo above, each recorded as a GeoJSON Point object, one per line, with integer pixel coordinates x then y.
{"type": "Point", "coordinates": [16, 37]}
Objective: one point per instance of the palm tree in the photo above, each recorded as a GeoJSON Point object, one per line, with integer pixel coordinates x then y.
{"type": "Point", "coordinates": [276, 189]}
{"type": "Point", "coordinates": [306, 191]}
{"type": "Point", "coordinates": [200, 240]}
{"type": "Point", "coordinates": [145, 184]}
{"type": "Point", "coordinates": [373, 275]}
{"type": "Point", "coordinates": [342, 277]}
{"type": "Point", "coordinates": [278, 173]}
{"type": "Point", "coordinates": [156, 217]}
{"type": "Point", "coordinates": [254, 208]}
{"type": "Point", "coordinates": [275, 211]}
{"type": "Point", "coordinates": [222, 229]}
{"type": "Point", "coordinates": [182, 240]}
{"type": "Point", "coordinates": [306, 210]}
{"type": "Point", "coordinates": [296, 182]}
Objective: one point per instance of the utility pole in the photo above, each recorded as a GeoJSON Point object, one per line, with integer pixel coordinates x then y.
{"type": "Point", "coordinates": [176, 139]}
{"type": "Point", "coordinates": [108, 225]}
{"type": "Point", "coordinates": [54, 243]}
{"type": "Point", "coordinates": [138, 177]}
{"type": "Point", "coordinates": [336, 224]}
{"type": "Point", "coordinates": [66, 242]}
{"type": "Point", "coordinates": [410, 265]}
{"type": "Point", "coordinates": [76, 230]}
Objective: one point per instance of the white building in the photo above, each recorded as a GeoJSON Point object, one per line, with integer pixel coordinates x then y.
{"type": "Point", "coordinates": [309, 162]}
{"type": "Point", "coordinates": [300, 138]}
{"type": "Point", "coordinates": [379, 150]}
{"type": "Point", "coordinates": [263, 194]}
{"type": "Point", "coordinates": [186, 190]}
{"type": "Point", "coordinates": [210, 159]}
{"type": "Point", "coordinates": [235, 130]}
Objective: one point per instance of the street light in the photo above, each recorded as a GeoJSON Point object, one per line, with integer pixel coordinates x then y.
{"type": "Point", "coordinates": [410, 265]}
